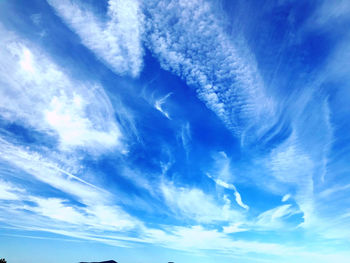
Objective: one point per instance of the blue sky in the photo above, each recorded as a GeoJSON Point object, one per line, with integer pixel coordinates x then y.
{"type": "Point", "coordinates": [186, 131]}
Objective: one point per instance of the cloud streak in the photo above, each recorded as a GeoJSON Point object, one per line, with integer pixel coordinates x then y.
{"type": "Point", "coordinates": [195, 205]}
{"type": "Point", "coordinates": [112, 41]}
{"type": "Point", "coordinates": [159, 103]}
{"type": "Point", "coordinates": [231, 187]}
{"type": "Point", "coordinates": [40, 95]}
{"type": "Point", "coordinates": [222, 71]}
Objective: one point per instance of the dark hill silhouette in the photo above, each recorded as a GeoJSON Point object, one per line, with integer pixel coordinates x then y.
{"type": "Point", "coordinates": [108, 261]}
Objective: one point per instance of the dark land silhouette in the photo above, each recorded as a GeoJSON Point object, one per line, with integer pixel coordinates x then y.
{"type": "Point", "coordinates": [2, 260]}
{"type": "Point", "coordinates": [108, 261]}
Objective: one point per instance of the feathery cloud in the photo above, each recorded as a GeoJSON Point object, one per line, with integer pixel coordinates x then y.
{"type": "Point", "coordinates": [159, 103]}
{"type": "Point", "coordinates": [220, 68]}
{"type": "Point", "coordinates": [194, 204]}
{"type": "Point", "coordinates": [40, 95]}
{"type": "Point", "coordinates": [117, 42]}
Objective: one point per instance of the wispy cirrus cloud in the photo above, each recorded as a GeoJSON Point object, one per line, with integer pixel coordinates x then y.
{"type": "Point", "coordinates": [221, 173]}
{"type": "Point", "coordinates": [283, 178]}
{"type": "Point", "coordinates": [51, 171]}
{"type": "Point", "coordinates": [273, 218]}
{"type": "Point", "coordinates": [222, 71]}
{"type": "Point", "coordinates": [96, 213]}
{"type": "Point", "coordinates": [185, 136]}
{"type": "Point", "coordinates": [42, 96]}
{"type": "Point", "coordinates": [231, 187]}
{"type": "Point", "coordinates": [330, 12]}
{"type": "Point", "coordinates": [86, 206]}
{"type": "Point", "coordinates": [158, 104]}
{"type": "Point", "coordinates": [194, 204]}
{"type": "Point", "coordinates": [117, 41]}
{"type": "Point", "coordinates": [9, 191]}
{"type": "Point", "coordinates": [286, 197]}
{"type": "Point", "coordinates": [198, 238]}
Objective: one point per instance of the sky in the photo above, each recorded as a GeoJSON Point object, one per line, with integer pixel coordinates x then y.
{"type": "Point", "coordinates": [175, 130]}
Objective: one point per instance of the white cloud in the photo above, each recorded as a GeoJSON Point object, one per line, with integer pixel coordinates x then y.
{"type": "Point", "coordinates": [68, 117]}
{"type": "Point", "coordinates": [233, 228]}
{"type": "Point", "coordinates": [42, 96]}
{"type": "Point", "coordinates": [286, 197]}
{"type": "Point", "coordinates": [287, 158]}
{"type": "Point", "coordinates": [117, 42]}
{"type": "Point", "coordinates": [223, 184]}
{"type": "Point", "coordinates": [273, 218]}
{"type": "Point", "coordinates": [299, 164]}
{"type": "Point", "coordinates": [222, 170]}
{"type": "Point", "coordinates": [97, 209]}
{"type": "Point", "coordinates": [333, 190]}
{"type": "Point", "coordinates": [51, 172]}
{"type": "Point", "coordinates": [292, 166]}
{"type": "Point", "coordinates": [194, 204]}
{"type": "Point", "coordinates": [330, 12]}
{"type": "Point", "coordinates": [189, 40]}
{"type": "Point", "coordinates": [186, 137]}
{"type": "Point", "coordinates": [159, 103]}
{"type": "Point", "coordinates": [36, 19]}
{"type": "Point", "coordinates": [239, 201]}
{"type": "Point", "coordinates": [231, 187]}
{"type": "Point", "coordinates": [198, 238]}
{"type": "Point", "coordinates": [9, 192]}
{"type": "Point", "coordinates": [55, 209]}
